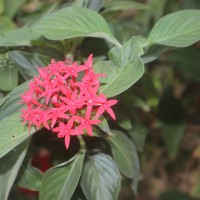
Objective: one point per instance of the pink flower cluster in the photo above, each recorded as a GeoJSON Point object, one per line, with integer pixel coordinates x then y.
{"type": "Point", "coordinates": [65, 98]}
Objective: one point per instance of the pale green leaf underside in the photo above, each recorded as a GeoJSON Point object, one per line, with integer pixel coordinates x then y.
{"type": "Point", "coordinates": [12, 133]}
{"type": "Point", "coordinates": [179, 29]}
{"type": "Point", "coordinates": [60, 182]}
{"type": "Point", "coordinates": [100, 178]}
{"type": "Point", "coordinates": [73, 22]}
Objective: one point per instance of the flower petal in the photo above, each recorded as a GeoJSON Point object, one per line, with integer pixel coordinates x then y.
{"type": "Point", "coordinates": [110, 111]}
{"type": "Point", "coordinates": [100, 111]}
{"type": "Point", "coordinates": [89, 130]}
{"type": "Point", "coordinates": [95, 121]}
{"type": "Point", "coordinates": [67, 140]}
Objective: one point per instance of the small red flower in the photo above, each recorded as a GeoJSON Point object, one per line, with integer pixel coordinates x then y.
{"type": "Point", "coordinates": [105, 106]}
{"type": "Point", "coordinates": [65, 130]}
{"type": "Point", "coordinates": [65, 98]}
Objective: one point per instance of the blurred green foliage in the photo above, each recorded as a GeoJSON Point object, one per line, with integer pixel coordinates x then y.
{"type": "Point", "coordinates": [158, 113]}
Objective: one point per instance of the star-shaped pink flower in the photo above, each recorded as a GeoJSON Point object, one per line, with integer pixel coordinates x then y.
{"type": "Point", "coordinates": [65, 130]}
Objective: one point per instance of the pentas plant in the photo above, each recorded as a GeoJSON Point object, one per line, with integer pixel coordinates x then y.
{"type": "Point", "coordinates": [64, 98]}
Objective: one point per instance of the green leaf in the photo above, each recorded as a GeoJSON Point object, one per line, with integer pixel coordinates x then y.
{"type": "Point", "coordinates": [73, 22]}
{"type": "Point", "coordinates": [11, 7]}
{"type": "Point", "coordinates": [10, 103]}
{"type": "Point", "coordinates": [153, 53]}
{"type": "Point", "coordinates": [98, 46]}
{"type": "Point", "coordinates": [186, 60]}
{"type": "Point", "coordinates": [9, 168]}
{"type": "Point", "coordinates": [8, 78]}
{"type": "Point", "coordinates": [2, 100]}
{"type": "Point", "coordinates": [123, 5]}
{"type": "Point", "coordinates": [196, 190]}
{"type": "Point", "coordinates": [1, 6]}
{"type": "Point", "coordinates": [49, 52]}
{"type": "Point", "coordinates": [159, 6]}
{"type": "Point", "coordinates": [6, 24]}
{"type": "Point", "coordinates": [30, 178]}
{"type": "Point", "coordinates": [123, 118]}
{"type": "Point", "coordinates": [170, 108]}
{"type": "Point", "coordinates": [175, 195]}
{"type": "Point", "coordinates": [28, 63]}
{"type": "Point", "coordinates": [124, 153]}
{"type": "Point", "coordinates": [104, 125]}
{"type": "Point", "coordinates": [179, 29]}
{"type": "Point", "coordinates": [100, 178]}
{"type": "Point", "coordinates": [18, 37]}
{"type": "Point", "coordinates": [138, 135]}
{"type": "Point", "coordinates": [193, 4]}
{"type": "Point", "coordinates": [124, 69]}
{"type": "Point", "coordinates": [61, 181]}
{"type": "Point", "coordinates": [172, 136]}
{"type": "Point", "coordinates": [12, 133]}
{"type": "Point", "coordinates": [96, 5]}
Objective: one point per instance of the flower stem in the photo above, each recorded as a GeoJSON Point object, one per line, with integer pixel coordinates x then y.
{"type": "Point", "coordinates": [82, 142]}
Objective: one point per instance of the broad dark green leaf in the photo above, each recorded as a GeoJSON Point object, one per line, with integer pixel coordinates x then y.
{"type": "Point", "coordinates": [60, 182]}
{"type": "Point", "coordinates": [179, 29]}
{"type": "Point", "coordinates": [73, 22]}
{"type": "Point", "coordinates": [8, 78]}
{"type": "Point", "coordinates": [50, 52]}
{"type": "Point", "coordinates": [124, 68]}
{"type": "Point", "coordinates": [10, 103]}
{"type": "Point", "coordinates": [30, 178]}
{"type": "Point", "coordinates": [123, 5]}
{"type": "Point", "coordinates": [28, 63]}
{"type": "Point", "coordinates": [9, 168]}
{"type": "Point", "coordinates": [172, 136]}
{"type": "Point", "coordinates": [100, 178]}
{"type": "Point", "coordinates": [12, 133]}
{"type": "Point", "coordinates": [124, 153]}
{"type": "Point", "coordinates": [18, 37]}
